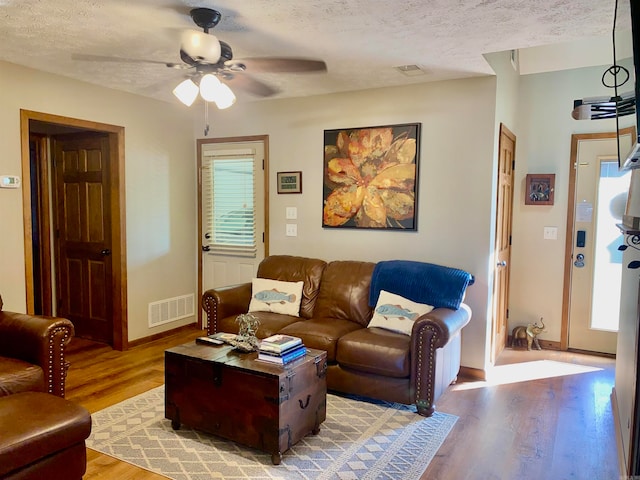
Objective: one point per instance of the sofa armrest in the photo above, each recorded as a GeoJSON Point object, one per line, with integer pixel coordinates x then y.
{"type": "Point", "coordinates": [445, 322]}
{"type": "Point", "coordinates": [39, 340]}
{"type": "Point", "coordinates": [223, 302]}
{"type": "Point", "coordinates": [430, 332]}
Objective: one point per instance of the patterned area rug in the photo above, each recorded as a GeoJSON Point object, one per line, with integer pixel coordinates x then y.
{"type": "Point", "coordinates": [358, 440]}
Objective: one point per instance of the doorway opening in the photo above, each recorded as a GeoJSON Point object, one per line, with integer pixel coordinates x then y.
{"type": "Point", "coordinates": [42, 229]}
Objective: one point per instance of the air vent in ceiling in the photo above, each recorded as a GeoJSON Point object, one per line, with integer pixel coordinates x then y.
{"type": "Point", "coordinates": [411, 70]}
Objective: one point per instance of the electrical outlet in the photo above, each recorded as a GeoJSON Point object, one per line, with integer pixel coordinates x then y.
{"type": "Point", "coordinates": [292, 230]}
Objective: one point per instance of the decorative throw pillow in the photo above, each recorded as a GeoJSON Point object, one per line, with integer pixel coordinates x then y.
{"type": "Point", "coordinates": [276, 296]}
{"type": "Point", "coordinates": [396, 313]}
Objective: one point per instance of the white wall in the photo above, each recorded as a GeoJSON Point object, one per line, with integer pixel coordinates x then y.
{"type": "Point", "coordinates": [455, 178]}
{"type": "Point", "coordinates": [160, 184]}
{"type": "Point", "coordinates": [544, 130]}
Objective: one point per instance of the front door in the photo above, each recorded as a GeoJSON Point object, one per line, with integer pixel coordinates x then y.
{"type": "Point", "coordinates": [598, 203]}
{"type": "Point", "coordinates": [506, 163]}
{"type": "Point", "coordinates": [83, 233]}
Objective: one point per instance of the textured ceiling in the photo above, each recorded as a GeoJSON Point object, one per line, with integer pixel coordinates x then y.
{"type": "Point", "coordinates": [360, 40]}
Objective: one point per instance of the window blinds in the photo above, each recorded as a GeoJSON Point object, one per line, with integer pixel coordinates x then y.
{"type": "Point", "coordinates": [228, 200]}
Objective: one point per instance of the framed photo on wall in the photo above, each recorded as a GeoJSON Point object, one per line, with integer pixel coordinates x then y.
{"type": "Point", "coordinates": [540, 188]}
{"type": "Point", "coordinates": [370, 177]}
{"type": "Point", "coordinates": [289, 182]}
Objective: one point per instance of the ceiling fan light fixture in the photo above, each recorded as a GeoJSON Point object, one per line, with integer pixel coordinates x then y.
{"type": "Point", "coordinates": [186, 92]}
{"type": "Point", "coordinates": [226, 97]}
{"type": "Point", "coordinates": [209, 85]}
{"type": "Point", "coordinates": [201, 45]}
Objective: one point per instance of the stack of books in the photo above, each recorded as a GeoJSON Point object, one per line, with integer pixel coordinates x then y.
{"type": "Point", "coordinates": [281, 349]}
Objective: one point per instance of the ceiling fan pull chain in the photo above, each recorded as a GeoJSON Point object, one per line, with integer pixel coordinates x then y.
{"type": "Point", "coordinates": [206, 119]}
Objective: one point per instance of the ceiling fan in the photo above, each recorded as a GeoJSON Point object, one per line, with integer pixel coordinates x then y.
{"type": "Point", "coordinates": [210, 65]}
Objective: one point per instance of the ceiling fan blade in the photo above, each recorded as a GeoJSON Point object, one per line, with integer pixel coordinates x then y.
{"type": "Point", "coordinates": [103, 58]}
{"type": "Point", "coordinates": [279, 65]}
{"type": "Point", "coordinates": [251, 85]}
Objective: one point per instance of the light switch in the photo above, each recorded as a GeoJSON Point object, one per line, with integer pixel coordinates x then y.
{"type": "Point", "coordinates": [292, 213]}
{"type": "Point", "coordinates": [292, 230]}
{"type": "Point", "coordinates": [550, 233]}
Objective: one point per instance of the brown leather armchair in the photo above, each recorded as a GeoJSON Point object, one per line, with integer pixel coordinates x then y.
{"type": "Point", "coordinates": [32, 353]}
{"type": "Point", "coordinates": [43, 435]}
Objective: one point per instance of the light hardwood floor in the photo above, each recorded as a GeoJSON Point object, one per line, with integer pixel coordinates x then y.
{"type": "Point", "coordinates": [556, 427]}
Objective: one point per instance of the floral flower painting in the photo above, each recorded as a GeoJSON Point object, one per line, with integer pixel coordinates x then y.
{"type": "Point", "coordinates": [370, 177]}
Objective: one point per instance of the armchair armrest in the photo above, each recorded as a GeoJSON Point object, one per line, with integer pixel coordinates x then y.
{"type": "Point", "coordinates": [39, 340]}
{"type": "Point", "coordinates": [224, 302]}
{"type": "Point", "coordinates": [430, 332]}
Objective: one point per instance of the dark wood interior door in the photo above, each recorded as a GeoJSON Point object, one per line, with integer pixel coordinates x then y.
{"type": "Point", "coordinates": [83, 233]}
{"type": "Point", "coordinates": [504, 214]}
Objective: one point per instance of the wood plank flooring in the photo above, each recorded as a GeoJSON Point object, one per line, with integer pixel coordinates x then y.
{"type": "Point", "coordinates": [557, 427]}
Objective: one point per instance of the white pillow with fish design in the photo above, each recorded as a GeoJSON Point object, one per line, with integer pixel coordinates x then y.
{"type": "Point", "coordinates": [396, 313]}
{"type": "Point", "coordinates": [276, 296]}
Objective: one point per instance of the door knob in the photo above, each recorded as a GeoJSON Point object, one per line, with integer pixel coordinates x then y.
{"type": "Point", "coordinates": [105, 252]}
{"type": "Point", "coordinates": [503, 263]}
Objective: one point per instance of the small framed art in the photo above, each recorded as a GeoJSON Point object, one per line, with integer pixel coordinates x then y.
{"type": "Point", "coordinates": [540, 189]}
{"type": "Point", "coordinates": [289, 182]}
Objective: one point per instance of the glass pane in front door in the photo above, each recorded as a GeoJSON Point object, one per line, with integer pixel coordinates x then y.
{"type": "Point", "coordinates": [612, 186]}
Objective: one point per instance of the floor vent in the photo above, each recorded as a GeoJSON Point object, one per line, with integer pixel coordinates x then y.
{"type": "Point", "coordinates": [171, 309]}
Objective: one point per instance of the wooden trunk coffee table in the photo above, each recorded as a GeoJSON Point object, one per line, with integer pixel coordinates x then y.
{"type": "Point", "coordinates": [231, 394]}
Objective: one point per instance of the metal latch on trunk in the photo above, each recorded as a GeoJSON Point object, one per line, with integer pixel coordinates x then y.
{"type": "Point", "coordinates": [321, 366]}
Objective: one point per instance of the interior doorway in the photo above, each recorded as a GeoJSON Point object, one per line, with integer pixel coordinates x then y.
{"type": "Point", "coordinates": [45, 251]}
{"type": "Point", "coordinates": [502, 253]}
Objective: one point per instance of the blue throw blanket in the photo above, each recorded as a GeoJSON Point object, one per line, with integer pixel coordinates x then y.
{"type": "Point", "coordinates": [420, 282]}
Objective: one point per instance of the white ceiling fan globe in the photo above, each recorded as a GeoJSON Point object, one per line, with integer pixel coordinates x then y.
{"type": "Point", "coordinates": [213, 90]}
{"type": "Point", "coordinates": [200, 45]}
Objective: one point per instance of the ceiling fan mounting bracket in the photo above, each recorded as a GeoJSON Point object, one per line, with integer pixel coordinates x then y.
{"type": "Point", "coordinates": [205, 18]}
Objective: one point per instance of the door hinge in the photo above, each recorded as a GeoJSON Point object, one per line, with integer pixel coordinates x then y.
{"type": "Point", "coordinates": [507, 313]}
{"type": "Point", "coordinates": [513, 164]}
{"type": "Point", "coordinates": [509, 240]}
{"type": "Point", "coordinates": [263, 164]}
{"type": "Point", "coordinates": [262, 237]}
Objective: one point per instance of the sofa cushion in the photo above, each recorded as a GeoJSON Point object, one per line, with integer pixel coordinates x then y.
{"type": "Point", "coordinates": [396, 313]}
{"type": "Point", "coordinates": [275, 296]}
{"type": "Point", "coordinates": [289, 268]}
{"type": "Point", "coordinates": [321, 333]}
{"type": "Point", "coordinates": [344, 292]}
{"type": "Point", "coordinates": [17, 376]}
{"type": "Point", "coordinates": [377, 351]}
{"type": "Point", "coordinates": [36, 425]}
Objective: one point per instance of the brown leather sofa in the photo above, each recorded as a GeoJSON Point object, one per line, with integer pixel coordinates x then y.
{"type": "Point", "coordinates": [334, 313]}
{"type": "Point", "coordinates": [42, 434]}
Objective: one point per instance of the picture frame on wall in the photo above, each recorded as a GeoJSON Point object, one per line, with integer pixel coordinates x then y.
{"type": "Point", "coordinates": [370, 177]}
{"type": "Point", "coordinates": [539, 189]}
{"type": "Point", "coordinates": [289, 182]}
